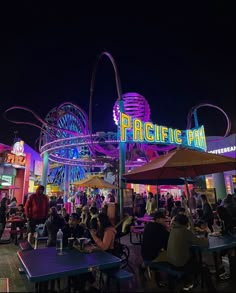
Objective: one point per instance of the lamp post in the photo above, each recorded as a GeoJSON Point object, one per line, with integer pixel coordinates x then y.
{"type": "Point", "coordinates": [121, 107]}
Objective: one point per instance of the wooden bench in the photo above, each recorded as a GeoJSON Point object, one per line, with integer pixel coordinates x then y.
{"type": "Point", "coordinates": [4, 285]}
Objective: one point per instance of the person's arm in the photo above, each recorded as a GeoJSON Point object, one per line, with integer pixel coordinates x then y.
{"type": "Point", "coordinates": [203, 241]}
{"type": "Point", "coordinates": [12, 204]}
{"type": "Point", "coordinates": [28, 208]}
{"type": "Point", "coordinates": [105, 243]}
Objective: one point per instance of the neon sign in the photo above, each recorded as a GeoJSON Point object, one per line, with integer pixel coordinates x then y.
{"type": "Point", "coordinates": [223, 150]}
{"type": "Point", "coordinates": [14, 160]}
{"type": "Point", "coordinates": [135, 130]}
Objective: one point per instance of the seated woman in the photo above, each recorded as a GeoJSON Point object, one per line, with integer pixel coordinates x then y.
{"type": "Point", "coordinates": [65, 215]}
{"type": "Point", "coordinates": [20, 212]}
{"type": "Point", "coordinates": [104, 237]}
{"type": "Point", "coordinates": [53, 223]}
{"type": "Point", "coordinates": [12, 206]}
{"type": "Point", "coordinates": [85, 217]}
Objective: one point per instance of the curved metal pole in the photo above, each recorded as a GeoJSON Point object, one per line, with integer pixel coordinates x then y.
{"type": "Point", "coordinates": [121, 107]}
{"type": "Point", "coordinates": [193, 111]}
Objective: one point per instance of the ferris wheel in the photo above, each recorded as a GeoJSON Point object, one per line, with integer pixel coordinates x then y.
{"type": "Point", "coordinates": [65, 124]}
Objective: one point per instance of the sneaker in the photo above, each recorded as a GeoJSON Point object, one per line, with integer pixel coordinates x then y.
{"type": "Point", "coordinates": [224, 276]}
{"type": "Point", "coordinates": [188, 287]}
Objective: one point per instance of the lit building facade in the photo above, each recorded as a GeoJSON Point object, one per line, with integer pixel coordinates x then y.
{"type": "Point", "coordinates": [224, 183]}
{"type": "Point", "coordinates": [20, 169]}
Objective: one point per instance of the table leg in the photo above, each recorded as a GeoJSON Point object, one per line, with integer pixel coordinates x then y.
{"type": "Point", "coordinates": [216, 264]}
{"type": "Point", "coordinates": [201, 265]}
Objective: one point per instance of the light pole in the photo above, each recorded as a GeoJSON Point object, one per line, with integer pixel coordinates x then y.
{"type": "Point", "coordinates": [121, 107]}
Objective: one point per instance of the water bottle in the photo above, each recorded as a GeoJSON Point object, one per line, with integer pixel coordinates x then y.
{"type": "Point", "coordinates": [59, 242]}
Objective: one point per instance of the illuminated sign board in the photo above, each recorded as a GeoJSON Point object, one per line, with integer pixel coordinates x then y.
{"type": "Point", "coordinates": [14, 160]}
{"type": "Point", "coordinates": [135, 130]}
{"type": "Point", "coordinates": [223, 150]}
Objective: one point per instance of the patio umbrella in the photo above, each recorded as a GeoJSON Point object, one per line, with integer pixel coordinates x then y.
{"type": "Point", "coordinates": [182, 163]}
{"type": "Point", "coordinates": [79, 182]}
{"type": "Point", "coordinates": [95, 182]}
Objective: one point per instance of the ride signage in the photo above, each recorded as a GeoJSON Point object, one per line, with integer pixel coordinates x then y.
{"type": "Point", "coordinates": [135, 130]}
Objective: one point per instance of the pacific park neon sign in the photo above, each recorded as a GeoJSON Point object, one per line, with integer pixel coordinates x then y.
{"type": "Point", "coordinates": [135, 130]}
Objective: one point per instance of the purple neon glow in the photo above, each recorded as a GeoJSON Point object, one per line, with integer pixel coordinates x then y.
{"type": "Point", "coordinates": [135, 105]}
{"type": "Point", "coordinates": [56, 136]}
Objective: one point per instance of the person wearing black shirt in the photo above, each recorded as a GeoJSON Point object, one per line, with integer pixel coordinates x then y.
{"type": "Point", "coordinates": [155, 239]}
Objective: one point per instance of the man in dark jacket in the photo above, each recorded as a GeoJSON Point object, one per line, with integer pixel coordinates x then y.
{"type": "Point", "coordinates": [155, 239]}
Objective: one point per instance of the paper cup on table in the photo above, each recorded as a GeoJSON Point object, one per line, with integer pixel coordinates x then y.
{"type": "Point", "coordinates": [70, 242]}
{"type": "Point", "coordinates": [82, 242]}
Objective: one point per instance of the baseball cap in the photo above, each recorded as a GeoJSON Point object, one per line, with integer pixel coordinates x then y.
{"type": "Point", "coordinates": [158, 215]}
{"type": "Point", "coordinates": [74, 216]}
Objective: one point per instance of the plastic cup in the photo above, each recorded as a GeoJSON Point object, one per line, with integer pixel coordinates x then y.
{"type": "Point", "coordinates": [70, 242]}
{"type": "Point", "coordinates": [82, 243]}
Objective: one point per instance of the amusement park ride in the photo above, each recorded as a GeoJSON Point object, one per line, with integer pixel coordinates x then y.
{"type": "Point", "coordinates": [73, 150]}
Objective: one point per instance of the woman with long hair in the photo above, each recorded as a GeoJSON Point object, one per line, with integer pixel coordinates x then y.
{"type": "Point", "coordinates": [104, 237]}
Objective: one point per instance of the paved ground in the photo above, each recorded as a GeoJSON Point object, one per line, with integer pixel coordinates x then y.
{"type": "Point", "coordinates": [9, 265]}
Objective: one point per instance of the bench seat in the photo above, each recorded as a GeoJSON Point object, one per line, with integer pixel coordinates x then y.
{"type": "Point", "coordinates": [120, 275]}
{"type": "Point", "coordinates": [166, 268]}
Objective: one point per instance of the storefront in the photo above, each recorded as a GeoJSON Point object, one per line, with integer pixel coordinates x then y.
{"type": "Point", "coordinates": [223, 182]}
{"type": "Point", "coordinates": [20, 167]}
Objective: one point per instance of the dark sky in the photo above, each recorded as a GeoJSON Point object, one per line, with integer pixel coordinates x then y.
{"type": "Point", "coordinates": [177, 59]}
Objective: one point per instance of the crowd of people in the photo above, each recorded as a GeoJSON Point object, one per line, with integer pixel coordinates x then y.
{"type": "Point", "coordinates": [173, 244]}
{"type": "Point", "coordinates": [160, 243]}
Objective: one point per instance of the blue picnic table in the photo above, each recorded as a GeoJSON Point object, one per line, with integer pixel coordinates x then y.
{"type": "Point", "coordinates": [216, 244]}
{"type": "Point", "coordinates": [45, 264]}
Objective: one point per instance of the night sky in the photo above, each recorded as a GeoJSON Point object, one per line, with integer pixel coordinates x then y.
{"type": "Point", "coordinates": [176, 60]}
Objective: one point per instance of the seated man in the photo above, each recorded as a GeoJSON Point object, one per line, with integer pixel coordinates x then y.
{"type": "Point", "coordinates": [155, 239]}
{"type": "Point", "coordinates": [53, 223]}
{"type": "Point", "coordinates": [179, 255]}
{"type": "Point", "coordinates": [72, 229]}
